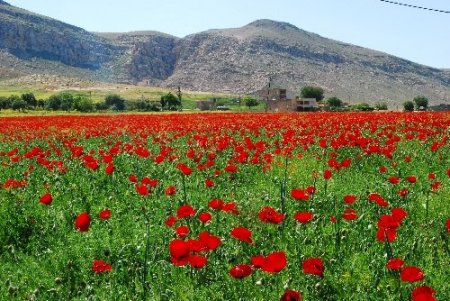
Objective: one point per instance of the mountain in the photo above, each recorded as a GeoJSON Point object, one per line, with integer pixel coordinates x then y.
{"type": "Point", "coordinates": [238, 60]}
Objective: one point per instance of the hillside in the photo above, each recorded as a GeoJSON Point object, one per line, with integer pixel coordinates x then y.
{"type": "Point", "coordinates": [238, 60]}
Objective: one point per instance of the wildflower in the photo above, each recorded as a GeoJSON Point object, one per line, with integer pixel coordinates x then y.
{"type": "Point", "coordinates": [104, 214]}
{"type": "Point", "coordinates": [313, 266]}
{"type": "Point", "coordinates": [274, 262]}
{"type": "Point", "coordinates": [411, 274]}
{"type": "Point", "coordinates": [241, 271]}
{"type": "Point", "coordinates": [99, 266]}
{"type": "Point", "coordinates": [290, 295]}
{"type": "Point", "coordinates": [242, 234]}
{"type": "Point", "coordinates": [303, 217]}
{"type": "Point", "coordinates": [46, 199]}
{"type": "Point", "coordinates": [270, 215]}
{"type": "Point", "coordinates": [82, 222]}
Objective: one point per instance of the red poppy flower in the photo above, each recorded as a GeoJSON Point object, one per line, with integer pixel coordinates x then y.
{"type": "Point", "coordinates": [257, 261]}
{"type": "Point", "coordinates": [349, 214]}
{"type": "Point", "coordinates": [423, 293]}
{"type": "Point", "coordinates": [431, 176]}
{"type": "Point", "coordinates": [170, 190]}
{"type": "Point", "coordinates": [394, 180]}
{"type": "Point", "coordinates": [150, 182]}
{"type": "Point", "coordinates": [82, 222]}
{"type": "Point", "coordinates": [448, 225]}
{"type": "Point", "coordinates": [241, 271]}
{"type": "Point", "coordinates": [300, 194]}
{"type": "Point", "coordinates": [104, 214]}
{"type": "Point", "coordinates": [411, 179]}
{"type": "Point", "coordinates": [142, 189]}
{"type": "Point", "coordinates": [99, 266]}
{"type": "Point", "coordinates": [197, 261]}
{"type": "Point", "coordinates": [231, 168]}
{"type": "Point", "coordinates": [216, 204]}
{"type": "Point", "coordinates": [435, 186]}
{"type": "Point", "coordinates": [411, 274]}
{"type": "Point", "coordinates": [375, 197]}
{"type": "Point", "coordinates": [304, 217]}
{"type": "Point", "coordinates": [395, 264]}
{"type": "Point", "coordinates": [274, 262]}
{"type": "Point", "coordinates": [382, 169]}
{"type": "Point", "coordinates": [211, 242]}
{"type": "Point", "coordinates": [109, 169]}
{"type": "Point", "coordinates": [333, 219]}
{"type": "Point", "coordinates": [185, 170]}
{"type": "Point", "coordinates": [209, 183]}
{"type": "Point", "coordinates": [185, 211]}
{"type": "Point", "coordinates": [46, 199]}
{"type": "Point", "coordinates": [230, 207]}
{"type": "Point", "coordinates": [350, 199]}
{"type": "Point", "coordinates": [327, 174]}
{"type": "Point", "coordinates": [242, 234]}
{"type": "Point", "coordinates": [398, 214]}
{"type": "Point", "coordinates": [270, 215]}
{"type": "Point", "coordinates": [132, 178]}
{"type": "Point", "coordinates": [182, 231]}
{"type": "Point", "coordinates": [313, 266]}
{"type": "Point", "coordinates": [179, 248]}
{"type": "Point", "coordinates": [205, 217]}
{"type": "Point", "coordinates": [290, 295]}
{"type": "Point", "coordinates": [170, 221]}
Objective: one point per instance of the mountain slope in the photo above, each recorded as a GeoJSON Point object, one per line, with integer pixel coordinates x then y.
{"type": "Point", "coordinates": [239, 60]}
{"type": "Point", "coordinates": [243, 59]}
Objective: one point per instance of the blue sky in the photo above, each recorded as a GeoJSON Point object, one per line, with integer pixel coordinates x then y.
{"type": "Point", "coordinates": [417, 35]}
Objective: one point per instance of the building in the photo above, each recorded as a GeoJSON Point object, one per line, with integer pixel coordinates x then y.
{"type": "Point", "coordinates": [278, 100]}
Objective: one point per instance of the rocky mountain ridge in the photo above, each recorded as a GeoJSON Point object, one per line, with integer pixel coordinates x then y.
{"type": "Point", "coordinates": [237, 60]}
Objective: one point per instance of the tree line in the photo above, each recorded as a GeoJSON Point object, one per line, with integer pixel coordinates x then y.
{"type": "Point", "coordinates": [66, 101]}
{"type": "Point", "coordinates": [419, 103]}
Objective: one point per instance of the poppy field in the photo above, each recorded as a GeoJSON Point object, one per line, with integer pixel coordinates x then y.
{"type": "Point", "coordinates": [229, 206]}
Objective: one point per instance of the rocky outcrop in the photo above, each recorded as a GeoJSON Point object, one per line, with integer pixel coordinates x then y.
{"type": "Point", "coordinates": [28, 35]}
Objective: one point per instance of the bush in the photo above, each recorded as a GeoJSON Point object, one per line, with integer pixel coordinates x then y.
{"type": "Point", "coordinates": [334, 102]}
{"type": "Point", "coordinates": [115, 102]}
{"type": "Point", "coordinates": [362, 107]}
{"type": "Point", "coordinates": [381, 106]}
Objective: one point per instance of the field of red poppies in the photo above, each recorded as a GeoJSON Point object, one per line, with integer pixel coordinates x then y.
{"type": "Point", "coordinates": [323, 206]}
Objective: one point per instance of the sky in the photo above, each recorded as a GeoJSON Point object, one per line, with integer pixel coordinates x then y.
{"type": "Point", "coordinates": [417, 35]}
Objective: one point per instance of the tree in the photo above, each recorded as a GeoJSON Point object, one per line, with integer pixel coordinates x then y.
{"type": "Point", "coordinates": [170, 102]}
{"type": "Point", "coordinates": [408, 106]}
{"type": "Point", "coordinates": [312, 92]}
{"type": "Point", "coordinates": [53, 102]}
{"type": "Point", "coordinates": [4, 103]}
{"type": "Point", "coordinates": [67, 101]}
{"type": "Point", "coordinates": [421, 103]}
{"type": "Point", "coordinates": [18, 105]}
{"type": "Point", "coordinates": [334, 102]}
{"type": "Point", "coordinates": [115, 102]}
{"type": "Point", "coordinates": [83, 104]}
{"type": "Point", "coordinates": [30, 99]}
{"type": "Point", "coordinates": [250, 101]}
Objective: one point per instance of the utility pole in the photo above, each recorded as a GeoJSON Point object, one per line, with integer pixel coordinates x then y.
{"type": "Point", "coordinates": [179, 97]}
